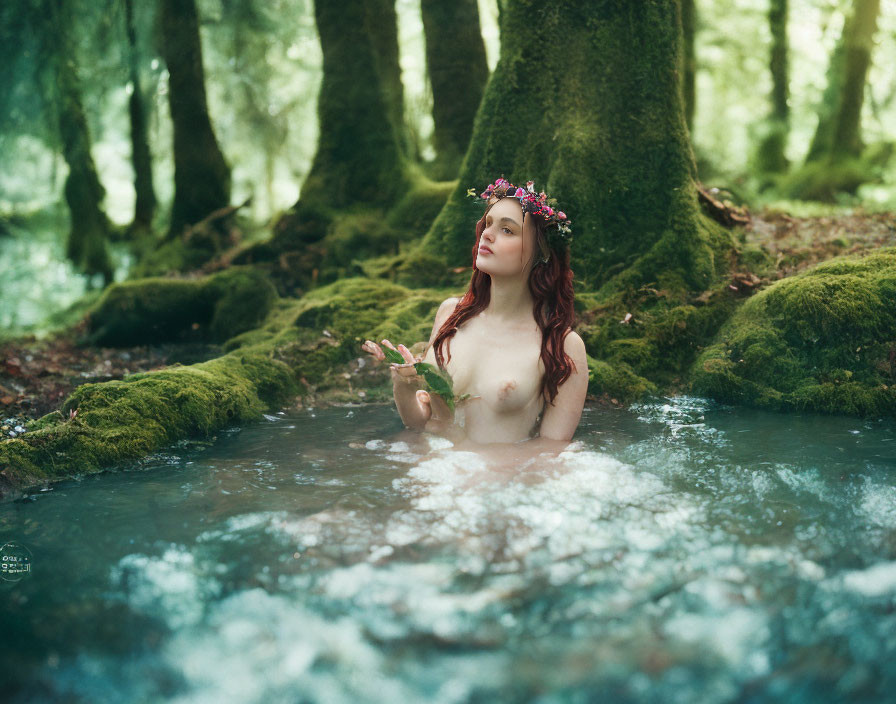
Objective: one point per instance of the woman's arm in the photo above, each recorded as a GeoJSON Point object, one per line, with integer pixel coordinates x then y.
{"type": "Point", "coordinates": [559, 422]}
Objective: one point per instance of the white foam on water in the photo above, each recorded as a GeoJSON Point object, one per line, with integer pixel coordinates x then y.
{"type": "Point", "coordinates": [877, 580]}
{"type": "Point", "coordinates": [878, 504]}
{"type": "Point", "coordinates": [170, 586]}
{"type": "Point", "coordinates": [259, 647]}
{"type": "Point", "coordinates": [736, 634]}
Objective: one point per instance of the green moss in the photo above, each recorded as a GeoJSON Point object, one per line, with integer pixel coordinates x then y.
{"type": "Point", "coordinates": [617, 381]}
{"type": "Point", "coordinates": [825, 179]}
{"type": "Point", "coordinates": [155, 309]}
{"type": "Point", "coordinates": [604, 134]}
{"type": "Point", "coordinates": [420, 268]}
{"type": "Point", "coordinates": [822, 340]}
{"type": "Point", "coordinates": [124, 420]}
{"type": "Point", "coordinates": [415, 213]}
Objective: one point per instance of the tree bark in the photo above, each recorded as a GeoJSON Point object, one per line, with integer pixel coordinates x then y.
{"type": "Point", "coordinates": [89, 234]}
{"type": "Point", "coordinates": [688, 62]}
{"type": "Point", "coordinates": [141, 157]}
{"type": "Point", "coordinates": [201, 175]}
{"type": "Point", "coordinates": [838, 134]}
{"type": "Point", "coordinates": [458, 72]}
{"type": "Point", "coordinates": [605, 134]}
{"type": "Point", "coordinates": [770, 155]}
{"type": "Point", "coordinates": [361, 159]}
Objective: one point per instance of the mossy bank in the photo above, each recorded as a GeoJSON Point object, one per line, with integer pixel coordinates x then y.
{"type": "Point", "coordinates": [823, 340]}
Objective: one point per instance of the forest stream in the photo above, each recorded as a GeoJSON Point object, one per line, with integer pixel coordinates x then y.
{"type": "Point", "coordinates": [677, 551]}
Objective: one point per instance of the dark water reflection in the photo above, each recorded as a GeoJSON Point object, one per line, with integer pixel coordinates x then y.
{"type": "Point", "coordinates": [679, 551]}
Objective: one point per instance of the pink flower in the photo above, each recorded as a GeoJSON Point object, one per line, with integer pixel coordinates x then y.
{"type": "Point", "coordinates": [484, 195]}
{"type": "Point", "coordinates": [519, 193]}
{"type": "Point", "coordinates": [561, 215]}
{"type": "Point", "coordinates": [549, 211]}
{"type": "Point", "coordinates": [491, 187]}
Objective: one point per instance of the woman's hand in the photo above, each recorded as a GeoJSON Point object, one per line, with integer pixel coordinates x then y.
{"type": "Point", "coordinates": [439, 417]}
{"type": "Point", "coordinates": [400, 372]}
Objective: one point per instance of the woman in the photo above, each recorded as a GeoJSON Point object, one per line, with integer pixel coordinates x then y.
{"type": "Point", "coordinates": [508, 341]}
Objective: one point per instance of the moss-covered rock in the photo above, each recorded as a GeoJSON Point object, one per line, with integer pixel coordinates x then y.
{"type": "Point", "coordinates": [823, 340]}
{"type": "Point", "coordinates": [214, 307]}
{"type": "Point", "coordinates": [649, 337]}
{"type": "Point", "coordinates": [617, 381]}
{"type": "Point", "coordinates": [124, 420]}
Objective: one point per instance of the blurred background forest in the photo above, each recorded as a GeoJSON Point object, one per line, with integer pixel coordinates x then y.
{"type": "Point", "coordinates": [263, 68]}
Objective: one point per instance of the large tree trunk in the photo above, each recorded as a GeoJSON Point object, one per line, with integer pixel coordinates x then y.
{"type": "Point", "coordinates": [360, 158]}
{"type": "Point", "coordinates": [145, 205]}
{"type": "Point", "coordinates": [458, 72]}
{"type": "Point", "coordinates": [688, 61]}
{"type": "Point", "coordinates": [89, 234]}
{"type": "Point", "coordinates": [605, 134]}
{"type": "Point", "coordinates": [770, 154]}
{"type": "Point", "coordinates": [838, 134]}
{"type": "Point", "coordinates": [201, 175]}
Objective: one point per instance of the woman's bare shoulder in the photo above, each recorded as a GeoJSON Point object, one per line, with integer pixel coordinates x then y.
{"type": "Point", "coordinates": [447, 308]}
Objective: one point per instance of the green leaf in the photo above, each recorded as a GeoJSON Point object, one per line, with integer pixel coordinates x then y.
{"type": "Point", "coordinates": [439, 382]}
{"type": "Point", "coordinates": [393, 356]}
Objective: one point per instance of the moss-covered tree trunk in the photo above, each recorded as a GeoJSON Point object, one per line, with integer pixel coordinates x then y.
{"type": "Point", "coordinates": [141, 158]}
{"type": "Point", "coordinates": [361, 157]}
{"type": "Point", "coordinates": [689, 61]}
{"type": "Point", "coordinates": [458, 72]}
{"type": "Point", "coordinates": [87, 242]}
{"type": "Point", "coordinates": [381, 25]}
{"type": "Point", "coordinates": [771, 151]}
{"type": "Point", "coordinates": [201, 175]}
{"type": "Point", "coordinates": [604, 133]}
{"type": "Point", "coordinates": [838, 134]}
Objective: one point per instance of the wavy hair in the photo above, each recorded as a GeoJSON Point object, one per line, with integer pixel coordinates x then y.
{"type": "Point", "coordinates": [551, 286]}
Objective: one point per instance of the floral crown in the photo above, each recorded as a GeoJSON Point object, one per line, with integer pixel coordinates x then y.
{"type": "Point", "coordinates": [531, 202]}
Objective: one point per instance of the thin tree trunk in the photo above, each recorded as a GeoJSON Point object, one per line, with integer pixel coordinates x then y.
{"type": "Point", "coordinates": [838, 134]}
{"type": "Point", "coordinates": [771, 156]}
{"type": "Point", "coordinates": [87, 241]}
{"type": "Point", "coordinates": [604, 133]}
{"type": "Point", "coordinates": [201, 175]}
{"type": "Point", "coordinates": [458, 72]}
{"type": "Point", "coordinates": [145, 204]}
{"type": "Point", "coordinates": [688, 61]}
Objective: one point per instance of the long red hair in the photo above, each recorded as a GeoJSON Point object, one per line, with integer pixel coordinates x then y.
{"type": "Point", "coordinates": [551, 286]}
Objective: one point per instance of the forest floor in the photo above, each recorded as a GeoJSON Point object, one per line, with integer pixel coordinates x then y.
{"type": "Point", "coordinates": [37, 375]}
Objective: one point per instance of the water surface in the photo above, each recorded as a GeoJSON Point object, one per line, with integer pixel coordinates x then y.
{"type": "Point", "coordinates": [678, 551]}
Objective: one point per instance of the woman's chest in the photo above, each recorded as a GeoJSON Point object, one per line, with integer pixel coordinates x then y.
{"type": "Point", "coordinates": [503, 369]}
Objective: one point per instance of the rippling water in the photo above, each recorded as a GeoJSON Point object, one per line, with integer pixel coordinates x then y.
{"type": "Point", "coordinates": [677, 552]}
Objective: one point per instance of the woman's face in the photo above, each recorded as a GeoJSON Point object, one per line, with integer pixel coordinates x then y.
{"type": "Point", "coordinates": [510, 240]}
